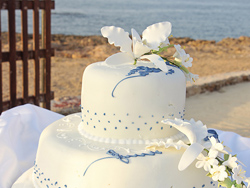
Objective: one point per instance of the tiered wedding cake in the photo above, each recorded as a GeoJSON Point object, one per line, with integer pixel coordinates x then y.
{"type": "Point", "coordinates": [131, 132]}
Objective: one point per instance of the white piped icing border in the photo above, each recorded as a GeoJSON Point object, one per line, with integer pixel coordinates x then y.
{"type": "Point", "coordinates": [177, 136]}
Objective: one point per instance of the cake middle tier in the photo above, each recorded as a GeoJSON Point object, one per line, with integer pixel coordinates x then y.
{"type": "Point", "coordinates": [128, 102]}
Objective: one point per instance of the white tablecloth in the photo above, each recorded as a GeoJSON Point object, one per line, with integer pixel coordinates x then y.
{"type": "Point", "coordinates": [20, 128]}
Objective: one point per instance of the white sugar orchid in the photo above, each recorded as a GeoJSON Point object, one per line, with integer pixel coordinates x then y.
{"type": "Point", "coordinates": [133, 49]}
{"type": "Point", "coordinates": [231, 162]}
{"type": "Point", "coordinates": [239, 174]}
{"type": "Point", "coordinates": [195, 132]}
{"type": "Point", "coordinates": [218, 173]}
{"type": "Point", "coordinates": [206, 162]}
{"type": "Point", "coordinates": [181, 56]}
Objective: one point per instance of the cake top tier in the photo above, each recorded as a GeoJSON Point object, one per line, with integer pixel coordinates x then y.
{"type": "Point", "coordinates": [125, 98]}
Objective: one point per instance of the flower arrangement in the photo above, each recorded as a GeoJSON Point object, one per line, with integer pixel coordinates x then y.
{"type": "Point", "coordinates": [204, 146]}
{"type": "Point", "coordinates": [154, 41]}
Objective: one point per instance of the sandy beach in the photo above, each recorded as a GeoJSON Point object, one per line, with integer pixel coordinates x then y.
{"type": "Point", "coordinates": [74, 53]}
{"type": "Point", "coordinates": [226, 109]}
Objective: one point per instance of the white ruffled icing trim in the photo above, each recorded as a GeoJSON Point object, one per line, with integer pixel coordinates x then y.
{"type": "Point", "coordinates": [177, 136]}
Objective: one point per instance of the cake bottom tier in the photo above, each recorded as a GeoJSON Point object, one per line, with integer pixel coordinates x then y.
{"type": "Point", "coordinates": [65, 159]}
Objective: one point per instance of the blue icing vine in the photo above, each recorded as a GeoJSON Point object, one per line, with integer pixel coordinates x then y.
{"type": "Point", "coordinates": [122, 158]}
{"type": "Point", "coordinates": [142, 71]}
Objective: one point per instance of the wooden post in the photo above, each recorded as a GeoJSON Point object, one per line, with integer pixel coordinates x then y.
{"type": "Point", "coordinates": [25, 50]}
{"type": "Point", "coordinates": [48, 52]}
{"type": "Point", "coordinates": [36, 49]}
{"type": "Point", "coordinates": [43, 60]}
{"type": "Point", "coordinates": [1, 81]}
{"type": "Point", "coordinates": [12, 51]}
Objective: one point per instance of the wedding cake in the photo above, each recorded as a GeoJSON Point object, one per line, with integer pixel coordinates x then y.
{"type": "Point", "coordinates": [131, 132]}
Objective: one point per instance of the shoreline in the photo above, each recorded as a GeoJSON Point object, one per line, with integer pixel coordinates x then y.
{"type": "Point", "coordinates": [80, 36]}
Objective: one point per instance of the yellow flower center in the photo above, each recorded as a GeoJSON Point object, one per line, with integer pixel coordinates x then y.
{"type": "Point", "coordinates": [215, 173]}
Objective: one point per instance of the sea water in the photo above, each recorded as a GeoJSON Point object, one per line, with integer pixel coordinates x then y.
{"type": "Point", "coordinates": [198, 19]}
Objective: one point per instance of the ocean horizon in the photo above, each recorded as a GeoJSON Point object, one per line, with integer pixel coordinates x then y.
{"type": "Point", "coordinates": [207, 20]}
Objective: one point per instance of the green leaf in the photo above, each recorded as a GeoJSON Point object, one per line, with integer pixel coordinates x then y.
{"type": "Point", "coordinates": [165, 48]}
{"type": "Point", "coordinates": [226, 157]}
{"type": "Point", "coordinates": [238, 185]}
{"type": "Point", "coordinates": [226, 183]}
{"type": "Point", "coordinates": [184, 69]}
{"type": "Point", "coordinates": [135, 61]}
{"type": "Point", "coordinates": [228, 172]}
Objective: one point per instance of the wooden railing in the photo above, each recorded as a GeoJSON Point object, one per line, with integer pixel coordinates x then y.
{"type": "Point", "coordinates": [36, 54]}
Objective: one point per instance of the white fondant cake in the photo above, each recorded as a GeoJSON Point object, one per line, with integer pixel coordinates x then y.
{"type": "Point", "coordinates": [131, 132]}
{"type": "Point", "coordinates": [64, 156]}
{"type": "Point", "coordinates": [133, 112]}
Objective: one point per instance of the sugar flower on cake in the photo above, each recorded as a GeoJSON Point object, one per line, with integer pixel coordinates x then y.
{"type": "Point", "coordinates": [218, 173]}
{"type": "Point", "coordinates": [204, 146]}
{"type": "Point", "coordinates": [136, 48]}
{"type": "Point", "coordinates": [206, 162]}
{"type": "Point", "coordinates": [231, 162]}
{"type": "Point", "coordinates": [181, 56]}
{"type": "Point", "coordinates": [247, 180]}
{"type": "Point", "coordinates": [216, 147]}
{"type": "Point", "coordinates": [195, 132]}
{"type": "Point", "coordinates": [191, 77]}
{"type": "Point", "coordinates": [147, 48]}
{"type": "Point", "coordinates": [239, 174]}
